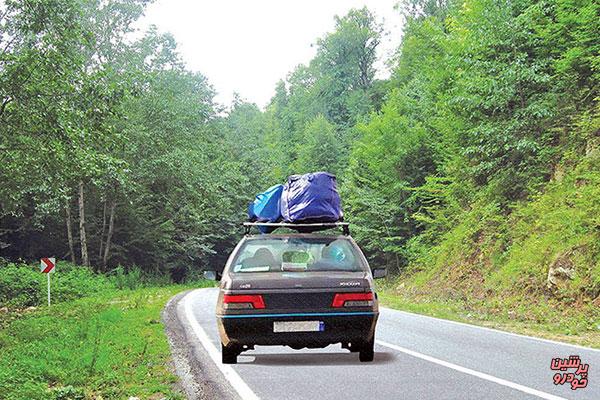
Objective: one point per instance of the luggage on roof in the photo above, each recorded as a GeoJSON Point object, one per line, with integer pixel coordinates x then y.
{"type": "Point", "coordinates": [311, 198]}
{"type": "Point", "coordinates": [266, 207]}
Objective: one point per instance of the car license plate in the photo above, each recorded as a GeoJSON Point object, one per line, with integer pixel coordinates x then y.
{"type": "Point", "coordinates": [298, 326]}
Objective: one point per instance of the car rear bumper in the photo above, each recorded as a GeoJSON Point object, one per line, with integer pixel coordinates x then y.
{"type": "Point", "coordinates": [257, 329]}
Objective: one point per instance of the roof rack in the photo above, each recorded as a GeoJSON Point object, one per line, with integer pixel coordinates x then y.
{"type": "Point", "coordinates": [301, 227]}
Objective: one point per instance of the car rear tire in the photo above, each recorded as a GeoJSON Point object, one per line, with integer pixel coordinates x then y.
{"type": "Point", "coordinates": [228, 354]}
{"type": "Point", "coordinates": [367, 351]}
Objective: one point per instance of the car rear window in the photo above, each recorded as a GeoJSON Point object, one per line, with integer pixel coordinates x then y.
{"type": "Point", "coordinates": [296, 255]}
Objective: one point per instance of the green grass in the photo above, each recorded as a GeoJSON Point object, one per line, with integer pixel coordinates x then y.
{"type": "Point", "coordinates": [539, 319]}
{"type": "Point", "coordinates": [110, 345]}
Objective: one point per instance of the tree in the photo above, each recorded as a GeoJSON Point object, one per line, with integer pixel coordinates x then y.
{"type": "Point", "coordinates": [40, 66]}
{"type": "Point", "coordinates": [320, 149]}
{"type": "Point", "coordinates": [337, 84]}
{"type": "Point", "coordinates": [344, 63]}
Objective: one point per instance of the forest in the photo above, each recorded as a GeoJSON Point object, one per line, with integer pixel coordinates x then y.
{"type": "Point", "coordinates": [473, 171]}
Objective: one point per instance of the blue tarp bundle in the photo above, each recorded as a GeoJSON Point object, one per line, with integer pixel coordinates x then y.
{"type": "Point", "coordinates": [266, 205]}
{"type": "Point", "coordinates": [311, 198]}
{"type": "Point", "coordinates": [304, 198]}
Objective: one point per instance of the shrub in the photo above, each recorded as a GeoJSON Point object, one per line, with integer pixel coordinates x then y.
{"type": "Point", "coordinates": [134, 277]}
{"type": "Point", "coordinates": [20, 286]}
{"type": "Point", "coordinates": [24, 286]}
{"type": "Point", "coordinates": [126, 279]}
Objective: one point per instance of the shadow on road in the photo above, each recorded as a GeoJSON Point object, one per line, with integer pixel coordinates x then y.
{"type": "Point", "coordinates": [313, 359]}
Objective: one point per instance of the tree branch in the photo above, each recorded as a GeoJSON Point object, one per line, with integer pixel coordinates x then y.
{"type": "Point", "coordinates": [4, 104]}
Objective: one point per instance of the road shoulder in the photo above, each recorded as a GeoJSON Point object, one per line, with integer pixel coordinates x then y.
{"type": "Point", "coordinates": [199, 378]}
{"type": "Point", "coordinates": [456, 311]}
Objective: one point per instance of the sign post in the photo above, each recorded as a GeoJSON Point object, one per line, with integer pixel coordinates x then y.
{"type": "Point", "coordinates": [47, 267]}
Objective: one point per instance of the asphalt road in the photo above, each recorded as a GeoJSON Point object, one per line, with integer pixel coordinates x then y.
{"type": "Point", "coordinates": [416, 357]}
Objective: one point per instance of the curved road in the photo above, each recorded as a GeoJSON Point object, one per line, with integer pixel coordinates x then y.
{"type": "Point", "coordinates": [416, 357]}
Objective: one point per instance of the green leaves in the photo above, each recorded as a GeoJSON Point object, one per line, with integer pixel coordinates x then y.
{"type": "Point", "coordinates": [320, 150]}
{"type": "Point", "coordinates": [336, 87]}
{"type": "Point", "coordinates": [480, 91]}
{"type": "Point", "coordinates": [485, 100]}
{"type": "Point", "coordinates": [84, 103]}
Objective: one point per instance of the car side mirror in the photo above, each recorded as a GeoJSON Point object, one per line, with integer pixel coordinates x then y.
{"type": "Point", "coordinates": [212, 275]}
{"type": "Point", "coordinates": [379, 273]}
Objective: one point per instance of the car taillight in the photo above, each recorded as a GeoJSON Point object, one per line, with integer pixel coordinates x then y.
{"type": "Point", "coordinates": [238, 301]}
{"type": "Point", "coordinates": [352, 300]}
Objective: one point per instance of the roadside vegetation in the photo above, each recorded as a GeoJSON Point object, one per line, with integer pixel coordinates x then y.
{"type": "Point", "coordinates": [102, 338]}
{"type": "Point", "coordinates": [545, 320]}
{"type": "Point", "coordinates": [498, 269]}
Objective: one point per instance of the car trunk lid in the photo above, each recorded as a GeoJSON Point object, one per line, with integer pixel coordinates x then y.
{"type": "Point", "coordinates": [299, 290]}
{"type": "Point", "coordinates": [277, 281]}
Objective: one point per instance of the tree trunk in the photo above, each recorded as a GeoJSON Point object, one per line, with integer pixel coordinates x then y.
{"type": "Point", "coordinates": [111, 225]}
{"type": "Point", "coordinates": [70, 230]}
{"type": "Point", "coordinates": [103, 231]}
{"type": "Point", "coordinates": [84, 252]}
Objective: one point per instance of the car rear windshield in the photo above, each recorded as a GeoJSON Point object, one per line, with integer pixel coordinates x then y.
{"type": "Point", "coordinates": [297, 255]}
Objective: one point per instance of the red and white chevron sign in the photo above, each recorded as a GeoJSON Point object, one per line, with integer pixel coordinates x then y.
{"type": "Point", "coordinates": [47, 265]}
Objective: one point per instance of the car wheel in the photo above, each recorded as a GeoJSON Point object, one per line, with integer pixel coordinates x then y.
{"type": "Point", "coordinates": [367, 352]}
{"type": "Point", "coordinates": [228, 354]}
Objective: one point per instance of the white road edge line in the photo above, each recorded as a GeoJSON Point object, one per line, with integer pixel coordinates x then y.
{"type": "Point", "coordinates": [492, 329]}
{"type": "Point", "coordinates": [234, 379]}
{"type": "Point", "coordinates": [468, 371]}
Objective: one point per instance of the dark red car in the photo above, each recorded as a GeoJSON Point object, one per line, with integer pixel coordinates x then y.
{"type": "Point", "coordinates": [299, 290]}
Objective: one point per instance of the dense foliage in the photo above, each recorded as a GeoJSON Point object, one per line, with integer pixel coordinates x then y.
{"type": "Point", "coordinates": [475, 163]}
{"type": "Point", "coordinates": [492, 112]}
{"type": "Point", "coordinates": [456, 171]}
{"type": "Point", "coordinates": [111, 151]}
